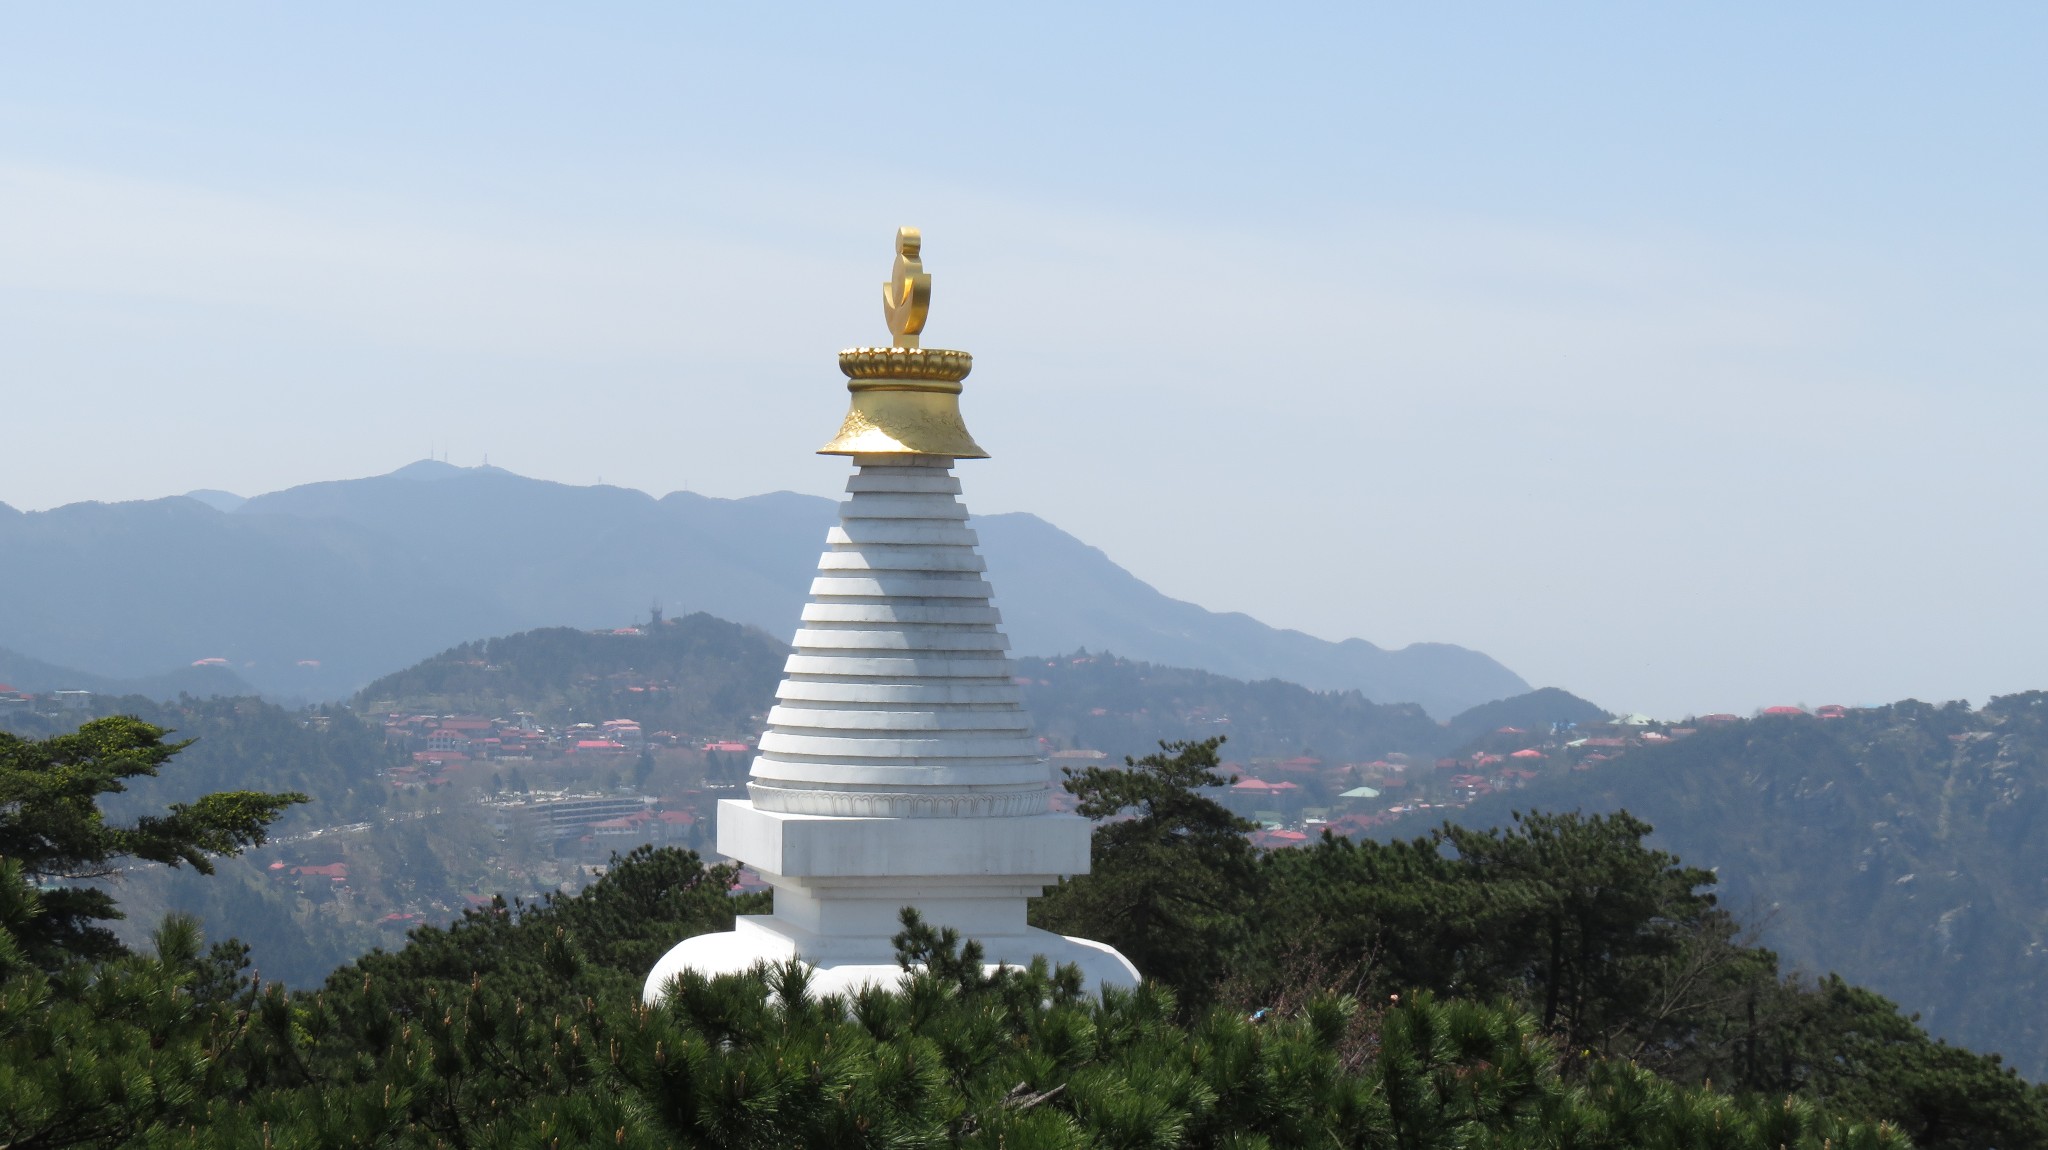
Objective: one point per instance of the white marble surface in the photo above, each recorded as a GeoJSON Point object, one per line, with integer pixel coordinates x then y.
{"type": "Point", "coordinates": [816, 846]}
{"type": "Point", "coordinates": [760, 940]}
{"type": "Point", "coordinates": [898, 700]}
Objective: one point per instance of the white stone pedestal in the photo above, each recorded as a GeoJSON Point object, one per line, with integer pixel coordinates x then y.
{"type": "Point", "coordinates": [841, 885]}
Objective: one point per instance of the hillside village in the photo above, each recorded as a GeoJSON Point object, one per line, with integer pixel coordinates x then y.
{"type": "Point", "coordinates": [559, 798]}
{"type": "Point", "coordinates": [517, 765]}
{"type": "Point", "coordinates": [1293, 799]}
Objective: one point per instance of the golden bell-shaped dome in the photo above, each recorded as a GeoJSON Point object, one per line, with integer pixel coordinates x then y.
{"type": "Point", "coordinates": [906, 398]}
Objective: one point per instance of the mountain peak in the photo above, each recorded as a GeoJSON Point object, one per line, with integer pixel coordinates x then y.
{"type": "Point", "coordinates": [224, 501]}
{"type": "Point", "coordinates": [428, 469]}
{"type": "Point", "coordinates": [366, 573]}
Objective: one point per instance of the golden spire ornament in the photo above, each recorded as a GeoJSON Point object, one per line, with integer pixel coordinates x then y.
{"type": "Point", "coordinates": [906, 398]}
{"type": "Point", "coordinates": [907, 297]}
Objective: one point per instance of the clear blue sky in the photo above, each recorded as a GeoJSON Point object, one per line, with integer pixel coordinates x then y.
{"type": "Point", "coordinates": [1689, 358]}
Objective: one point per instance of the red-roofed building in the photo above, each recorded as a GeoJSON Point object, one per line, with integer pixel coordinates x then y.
{"type": "Point", "coordinates": [447, 739]}
{"type": "Point", "coordinates": [1783, 711]}
{"type": "Point", "coordinates": [616, 828]}
{"type": "Point", "coordinates": [1278, 840]}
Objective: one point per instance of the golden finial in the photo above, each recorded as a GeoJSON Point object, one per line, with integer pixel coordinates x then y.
{"type": "Point", "coordinates": [906, 398]}
{"type": "Point", "coordinates": [907, 297]}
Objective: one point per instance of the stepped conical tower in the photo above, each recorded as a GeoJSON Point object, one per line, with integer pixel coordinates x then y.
{"type": "Point", "coordinates": [898, 768]}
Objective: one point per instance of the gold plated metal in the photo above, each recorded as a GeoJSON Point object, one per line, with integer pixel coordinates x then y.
{"type": "Point", "coordinates": [906, 398]}
{"type": "Point", "coordinates": [906, 363]}
{"type": "Point", "coordinates": [907, 297]}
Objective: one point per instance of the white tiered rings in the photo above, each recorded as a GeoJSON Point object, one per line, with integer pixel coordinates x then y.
{"type": "Point", "coordinates": [898, 701]}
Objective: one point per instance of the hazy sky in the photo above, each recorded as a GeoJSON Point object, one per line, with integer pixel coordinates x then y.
{"type": "Point", "coordinates": [1679, 356]}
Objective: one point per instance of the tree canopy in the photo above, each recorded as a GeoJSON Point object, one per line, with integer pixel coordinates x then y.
{"type": "Point", "coordinates": [1552, 984]}
{"type": "Point", "coordinates": [54, 831]}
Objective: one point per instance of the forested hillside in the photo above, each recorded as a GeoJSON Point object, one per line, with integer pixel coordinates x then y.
{"type": "Point", "coordinates": [713, 679]}
{"type": "Point", "coordinates": [1125, 707]}
{"type": "Point", "coordinates": [1904, 846]}
{"type": "Point", "coordinates": [1557, 984]}
{"type": "Point", "coordinates": [695, 674]}
{"type": "Point", "coordinates": [331, 756]}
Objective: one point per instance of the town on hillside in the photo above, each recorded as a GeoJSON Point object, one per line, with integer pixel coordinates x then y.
{"type": "Point", "coordinates": [549, 803]}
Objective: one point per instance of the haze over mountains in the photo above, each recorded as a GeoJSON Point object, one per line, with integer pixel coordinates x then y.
{"type": "Point", "coordinates": [313, 591]}
{"type": "Point", "coordinates": [34, 675]}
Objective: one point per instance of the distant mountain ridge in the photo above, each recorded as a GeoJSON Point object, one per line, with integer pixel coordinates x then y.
{"type": "Point", "coordinates": [317, 589]}
{"type": "Point", "coordinates": [37, 677]}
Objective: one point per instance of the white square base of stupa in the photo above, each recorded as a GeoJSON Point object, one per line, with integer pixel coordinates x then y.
{"type": "Point", "coordinates": [836, 846]}
{"type": "Point", "coordinates": [841, 885]}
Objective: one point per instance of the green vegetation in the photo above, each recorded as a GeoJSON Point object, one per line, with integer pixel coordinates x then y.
{"type": "Point", "coordinates": [410, 856]}
{"type": "Point", "coordinates": [1902, 846]}
{"type": "Point", "coordinates": [1553, 980]}
{"type": "Point", "coordinates": [1536, 711]}
{"type": "Point", "coordinates": [696, 674]}
{"type": "Point", "coordinates": [54, 834]}
{"type": "Point", "coordinates": [329, 755]}
{"type": "Point", "coordinates": [1620, 952]}
{"type": "Point", "coordinates": [1174, 883]}
{"type": "Point", "coordinates": [521, 1026]}
{"type": "Point", "coordinates": [1126, 707]}
{"type": "Point", "coordinates": [707, 678]}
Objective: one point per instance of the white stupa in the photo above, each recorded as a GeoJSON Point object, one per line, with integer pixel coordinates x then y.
{"type": "Point", "coordinates": [898, 768]}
